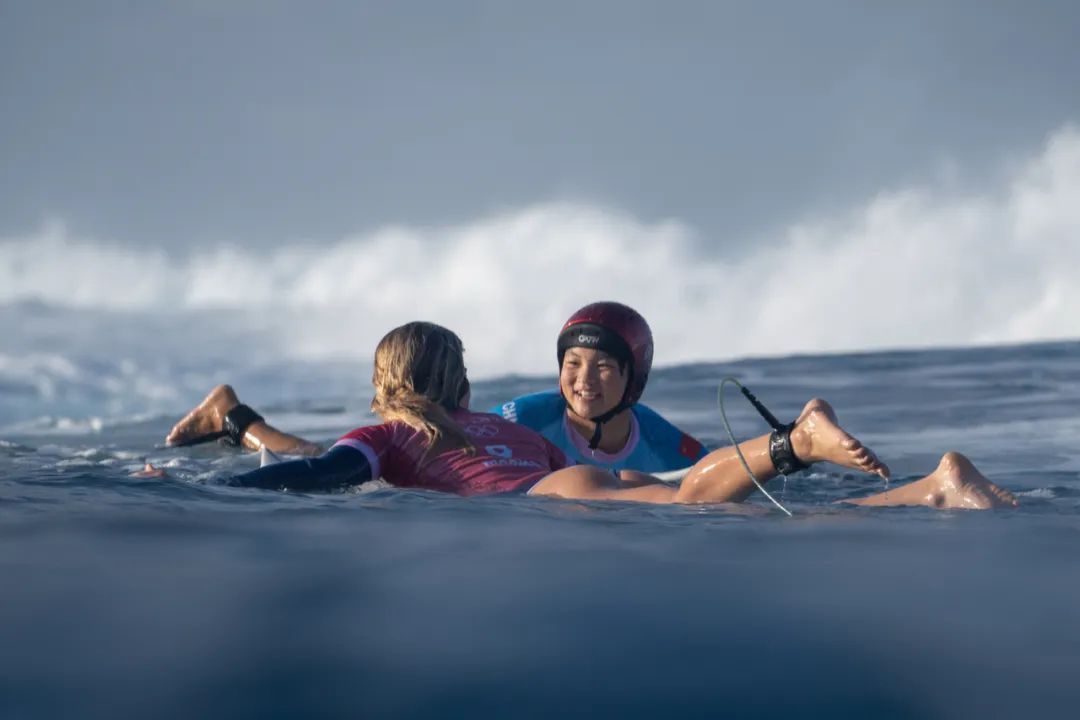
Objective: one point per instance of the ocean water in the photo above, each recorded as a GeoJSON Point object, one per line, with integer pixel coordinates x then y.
{"type": "Point", "coordinates": [180, 597]}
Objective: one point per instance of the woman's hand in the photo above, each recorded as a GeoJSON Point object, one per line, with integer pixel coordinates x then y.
{"type": "Point", "coordinates": [149, 471]}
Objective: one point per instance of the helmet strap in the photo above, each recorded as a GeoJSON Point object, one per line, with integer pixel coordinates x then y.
{"type": "Point", "coordinates": [598, 431]}
{"type": "Point", "coordinates": [594, 441]}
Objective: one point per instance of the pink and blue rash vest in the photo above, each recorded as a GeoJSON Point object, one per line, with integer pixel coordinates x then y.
{"type": "Point", "coordinates": [508, 457]}
{"type": "Point", "coordinates": [654, 445]}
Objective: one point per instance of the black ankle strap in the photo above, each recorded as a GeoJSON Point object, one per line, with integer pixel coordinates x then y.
{"type": "Point", "coordinates": [237, 421]}
{"type": "Point", "coordinates": [782, 455]}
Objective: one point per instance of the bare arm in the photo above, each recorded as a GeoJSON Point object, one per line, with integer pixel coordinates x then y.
{"type": "Point", "coordinates": [338, 467]}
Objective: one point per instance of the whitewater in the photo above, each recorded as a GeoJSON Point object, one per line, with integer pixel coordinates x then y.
{"type": "Point", "coordinates": [915, 267]}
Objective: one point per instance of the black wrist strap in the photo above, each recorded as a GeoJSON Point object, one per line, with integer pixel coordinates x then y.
{"type": "Point", "coordinates": [781, 453]}
{"type": "Point", "coordinates": [237, 421]}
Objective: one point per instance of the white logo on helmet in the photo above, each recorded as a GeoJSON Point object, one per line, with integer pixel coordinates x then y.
{"type": "Point", "coordinates": [588, 339]}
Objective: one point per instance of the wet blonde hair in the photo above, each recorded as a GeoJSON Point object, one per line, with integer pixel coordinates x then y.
{"type": "Point", "coordinates": [419, 378]}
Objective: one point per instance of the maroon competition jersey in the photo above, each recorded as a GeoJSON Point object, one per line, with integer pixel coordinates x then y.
{"type": "Point", "coordinates": [508, 458]}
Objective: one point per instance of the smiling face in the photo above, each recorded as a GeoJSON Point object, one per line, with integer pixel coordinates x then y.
{"type": "Point", "coordinates": [591, 381]}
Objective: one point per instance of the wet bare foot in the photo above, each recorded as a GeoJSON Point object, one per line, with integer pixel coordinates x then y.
{"type": "Point", "coordinates": [818, 436]}
{"type": "Point", "coordinates": [957, 483]}
{"type": "Point", "coordinates": [207, 417]}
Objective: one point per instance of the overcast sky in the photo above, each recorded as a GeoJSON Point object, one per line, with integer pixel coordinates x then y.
{"type": "Point", "coordinates": [178, 123]}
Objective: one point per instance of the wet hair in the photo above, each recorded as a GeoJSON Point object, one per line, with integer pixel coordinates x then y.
{"type": "Point", "coordinates": [419, 377]}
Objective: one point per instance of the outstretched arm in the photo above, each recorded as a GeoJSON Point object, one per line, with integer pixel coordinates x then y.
{"type": "Point", "coordinates": [338, 467]}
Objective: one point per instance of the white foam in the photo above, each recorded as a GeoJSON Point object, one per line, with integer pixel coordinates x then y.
{"type": "Point", "coordinates": [1042, 493]}
{"type": "Point", "coordinates": [911, 268]}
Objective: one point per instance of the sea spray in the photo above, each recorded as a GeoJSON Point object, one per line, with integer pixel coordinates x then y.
{"type": "Point", "coordinates": [909, 268]}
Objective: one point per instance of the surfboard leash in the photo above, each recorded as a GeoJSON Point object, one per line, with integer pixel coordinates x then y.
{"type": "Point", "coordinates": [769, 418]}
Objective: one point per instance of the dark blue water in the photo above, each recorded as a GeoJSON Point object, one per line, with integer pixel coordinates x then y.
{"type": "Point", "coordinates": [182, 598]}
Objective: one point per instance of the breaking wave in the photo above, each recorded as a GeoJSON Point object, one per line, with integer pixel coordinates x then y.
{"type": "Point", "coordinates": [914, 267]}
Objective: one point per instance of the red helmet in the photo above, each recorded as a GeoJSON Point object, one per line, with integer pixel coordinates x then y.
{"type": "Point", "coordinates": [619, 331]}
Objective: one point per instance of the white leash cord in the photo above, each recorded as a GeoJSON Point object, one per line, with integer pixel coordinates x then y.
{"type": "Point", "coordinates": [735, 444]}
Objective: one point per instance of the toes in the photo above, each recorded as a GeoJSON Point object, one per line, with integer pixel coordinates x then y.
{"type": "Point", "coordinates": [1005, 497]}
{"type": "Point", "coordinates": [850, 444]}
{"type": "Point", "coordinates": [866, 459]}
{"type": "Point", "coordinates": [176, 435]}
{"type": "Point", "coordinates": [875, 466]}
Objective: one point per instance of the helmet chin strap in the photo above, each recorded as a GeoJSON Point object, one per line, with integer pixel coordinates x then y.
{"type": "Point", "coordinates": [594, 441]}
{"type": "Point", "coordinates": [598, 431]}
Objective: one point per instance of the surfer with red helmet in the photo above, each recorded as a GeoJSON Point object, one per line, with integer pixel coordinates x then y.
{"type": "Point", "coordinates": [605, 353]}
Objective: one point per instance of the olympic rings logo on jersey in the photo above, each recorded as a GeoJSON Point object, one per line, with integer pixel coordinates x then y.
{"type": "Point", "coordinates": [481, 431]}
